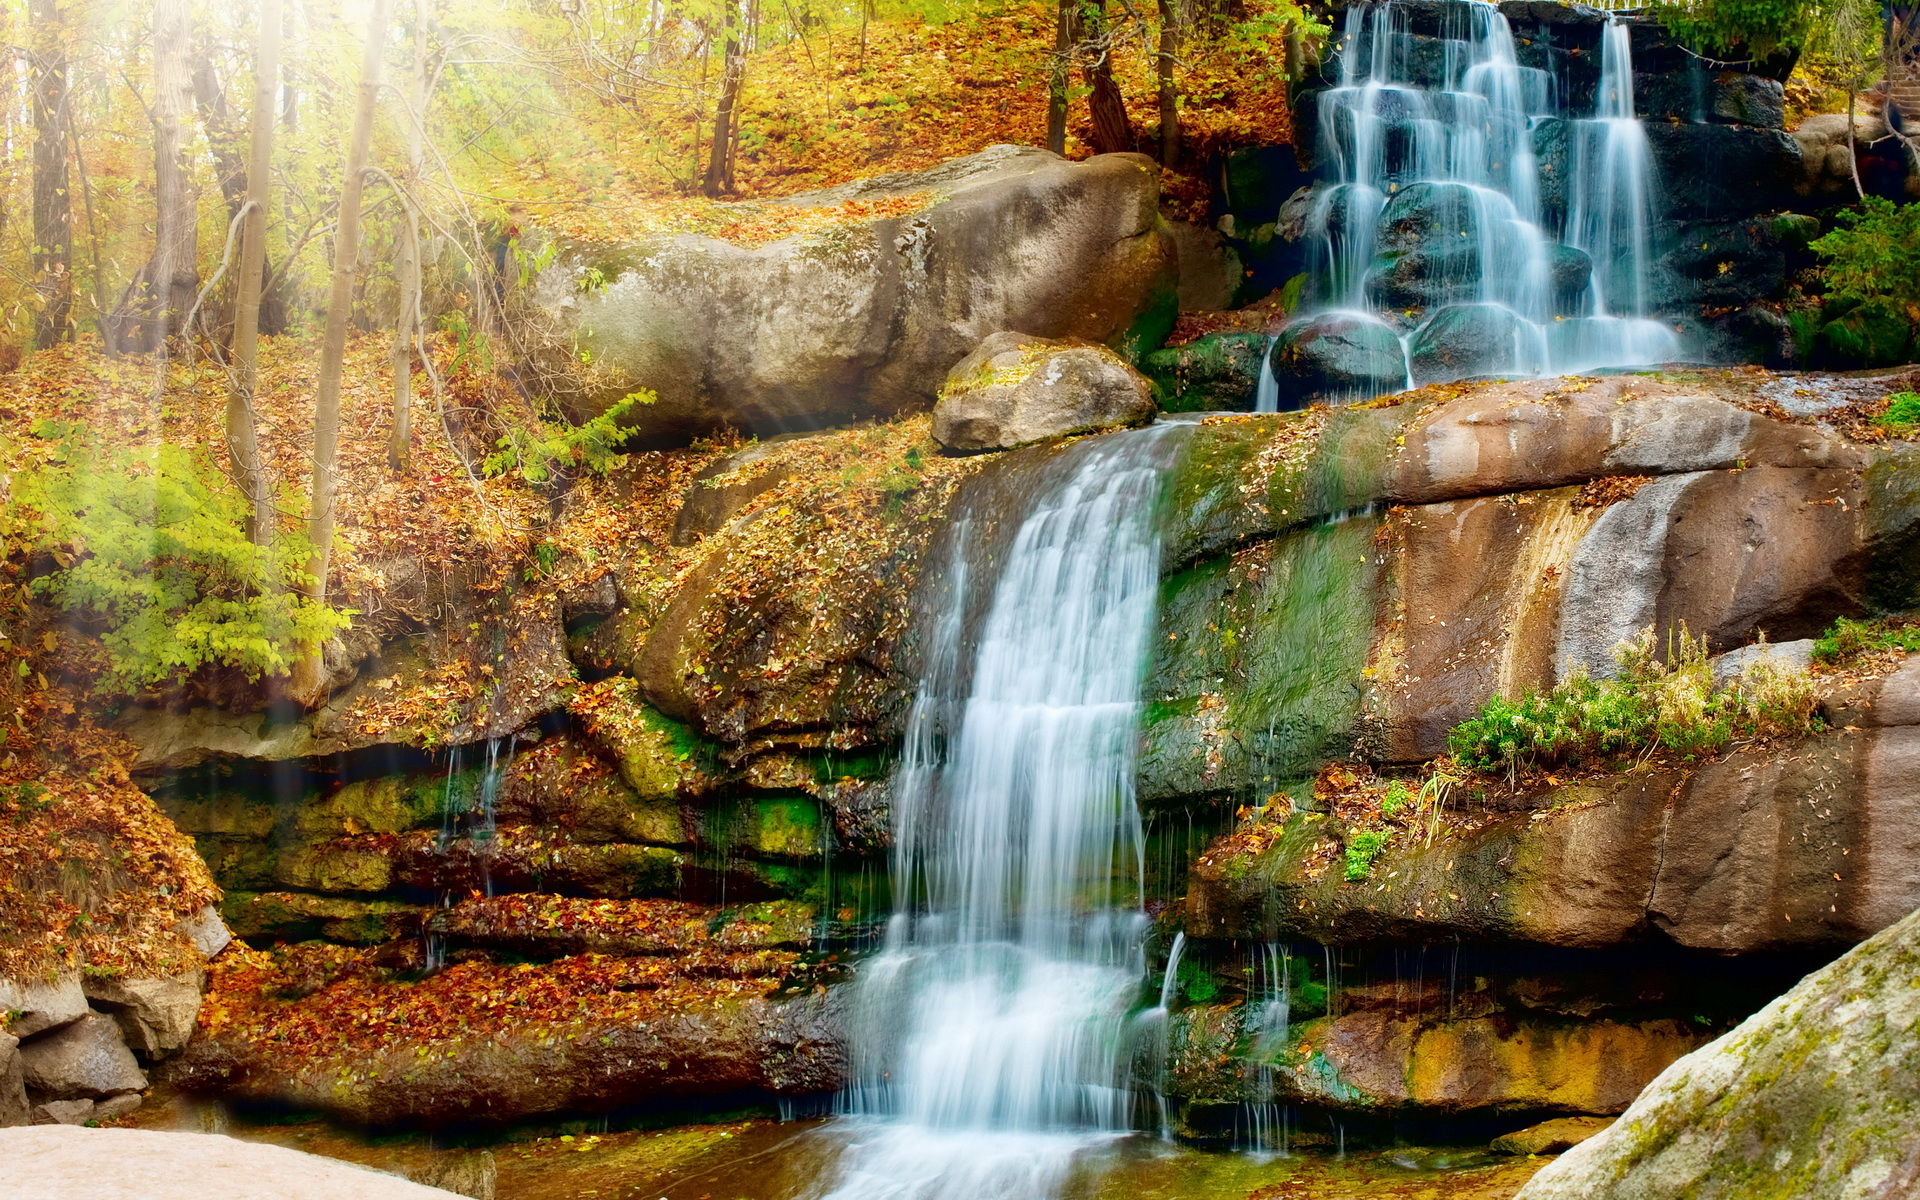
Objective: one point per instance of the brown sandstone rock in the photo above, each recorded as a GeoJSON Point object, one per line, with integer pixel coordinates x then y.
{"type": "Point", "coordinates": [155, 1015]}
{"type": "Point", "coordinates": [1550, 1137]}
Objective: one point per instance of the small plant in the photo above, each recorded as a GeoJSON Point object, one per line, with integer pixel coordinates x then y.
{"type": "Point", "coordinates": [1850, 640]}
{"type": "Point", "coordinates": [1874, 254]}
{"type": "Point", "coordinates": [547, 449]}
{"type": "Point", "coordinates": [1362, 848]}
{"type": "Point", "coordinates": [1396, 798]}
{"type": "Point", "coordinates": [1649, 704]}
{"type": "Point", "coordinates": [1197, 983]}
{"type": "Point", "coordinates": [1902, 417]}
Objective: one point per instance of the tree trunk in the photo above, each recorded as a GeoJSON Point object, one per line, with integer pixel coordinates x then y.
{"type": "Point", "coordinates": [719, 177]}
{"type": "Point", "coordinates": [1163, 72]}
{"type": "Point", "coordinates": [308, 678]}
{"type": "Point", "coordinates": [1112, 130]}
{"type": "Point", "coordinates": [52, 206]}
{"type": "Point", "coordinates": [243, 444]}
{"type": "Point", "coordinates": [163, 291]}
{"type": "Point", "coordinates": [223, 136]}
{"type": "Point", "coordinates": [1064, 27]}
{"type": "Point", "coordinates": [407, 265]}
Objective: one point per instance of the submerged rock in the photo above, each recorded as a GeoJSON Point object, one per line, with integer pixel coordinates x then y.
{"type": "Point", "coordinates": [1550, 1137]}
{"type": "Point", "coordinates": [1815, 1096]}
{"type": "Point", "coordinates": [1014, 389]}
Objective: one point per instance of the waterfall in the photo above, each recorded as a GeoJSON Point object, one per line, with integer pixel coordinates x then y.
{"type": "Point", "coordinates": [1436, 231]}
{"type": "Point", "coordinates": [990, 1031]}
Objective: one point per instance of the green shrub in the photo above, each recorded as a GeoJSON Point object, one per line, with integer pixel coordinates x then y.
{"type": "Point", "coordinates": [1874, 254]}
{"type": "Point", "coordinates": [1362, 848]}
{"type": "Point", "coordinates": [1649, 704]}
{"type": "Point", "coordinates": [151, 544]}
{"type": "Point", "coordinates": [1396, 798]}
{"type": "Point", "coordinates": [546, 449]}
{"type": "Point", "coordinates": [1850, 639]}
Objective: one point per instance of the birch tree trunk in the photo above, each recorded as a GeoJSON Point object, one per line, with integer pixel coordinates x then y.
{"type": "Point", "coordinates": [309, 673]}
{"type": "Point", "coordinates": [52, 205]}
{"type": "Point", "coordinates": [163, 291]}
{"type": "Point", "coordinates": [243, 444]}
{"type": "Point", "coordinates": [719, 177]}
{"type": "Point", "coordinates": [407, 265]}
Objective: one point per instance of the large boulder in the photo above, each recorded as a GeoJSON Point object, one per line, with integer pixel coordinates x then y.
{"type": "Point", "coordinates": [1014, 389]}
{"type": "Point", "coordinates": [1462, 340]}
{"type": "Point", "coordinates": [84, 1060]}
{"type": "Point", "coordinates": [58, 1162]}
{"type": "Point", "coordinates": [1815, 1096]}
{"type": "Point", "coordinates": [36, 1005]}
{"type": "Point", "coordinates": [866, 318]}
{"type": "Point", "coordinates": [1214, 373]}
{"type": "Point", "coordinates": [1722, 172]}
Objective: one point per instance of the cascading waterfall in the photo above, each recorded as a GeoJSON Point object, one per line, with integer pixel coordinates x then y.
{"type": "Point", "coordinates": [1434, 210]}
{"type": "Point", "coordinates": [991, 1030]}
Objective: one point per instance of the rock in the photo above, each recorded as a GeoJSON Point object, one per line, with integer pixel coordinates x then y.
{"type": "Point", "coordinates": [63, 1112]}
{"type": "Point", "coordinates": [1209, 268]}
{"type": "Point", "coordinates": [1759, 852]}
{"type": "Point", "coordinates": [1463, 340]}
{"type": "Point", "coordinates": [1571, 270]}
{"type": "Point", "coordinates": [1335, 357]}
{"type": "Point", "coordinates": [472, 1173]}
{"type": "Point", "coordinates": [724, 488]}
{"type": "Point", "coordinates": [1428, 247]}
{"type": "Point", "coordinates": [1872, 333]}
{"type": "Point", "coordinates": [1721, 97]}
{"type": "Point", "coordinates": [1812, 1096]}
{"type": "Point", "coordinates": [866, 319]}
{"type": "Point", "coordinates": [1794, 655]}
{"type": "Point", "coordinates": [1014, 389]}
{"type": "Point", "coordinates": [1727, 263]}
{"type": "Point", "coordinates": [1256, 181]}
{"type": "Point", "coordinates": [1752, 170]}
{"type": "Point", "coordinates": [40, 1005]}
{"type": "Point", "coordinates": [1550, 1137]}
{"type": "Point", "coordinates": [1879, 703]}
{"type": "Point", "coordinates": [155, 1015]}
{"type": "Point", "coordinates": [268, 917]}
{"type": "Point", "coordinates": [692, 1053]}
{"type": "Point", "coordinates": [85, 1059]}
{"type": "Point", "coordinates": [61, 1162]}
{"type": "Point", "coordinates": [206, 931]}
{"type": "Point", "coordinates": [116, 1106]}
{"type": "Point", "coordinates": [1215, 373]}
{"type": "Point", "coordinates": [13, 1087]}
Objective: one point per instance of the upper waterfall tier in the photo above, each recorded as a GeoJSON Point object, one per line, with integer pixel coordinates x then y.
{"type": "Point", "coordinates": [1443, 244]}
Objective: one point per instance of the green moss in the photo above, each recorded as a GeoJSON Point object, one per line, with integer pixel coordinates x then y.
{"type": "Point", "coordinates": [770, 826]}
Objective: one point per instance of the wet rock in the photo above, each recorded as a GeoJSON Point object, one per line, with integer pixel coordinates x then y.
{"type": "Point", "coordinates": [85, 1059]}
{"type": "Point", "coordinates": [1428, 247]}
{"type": "Point", "coordinates": [1215, 373]}
{"type": "Point", "coordinates": [266, 917]}
{"type": "Point", "coordinates": [1728, 263]}
{"type": "Point", "coordinates": [1720, 97]}
{"type": "Point", "coordinates": [1550, 1137]}
{"type": "Point", "coordinates": [1463, 340]}
{"type": "Point", "coordinates": [1570, 271]}
{"type": "Point", "coordinates": [866, 320]}
{"type": "Point", "coordinates": [1812, 1096]}
{"type": "Point", "coordinates": [35, 1005]}
{"type": "Point", "coordinates": [1722, 172]}
{"type": "Point", "coordinates": [1335, 357]}
{"type": "Point", "coordinates": [1014, 389]}
{"type": "Point", "coordinates": [155, 1015]}
{"type": "Point", "coordinates": [55, 1162]}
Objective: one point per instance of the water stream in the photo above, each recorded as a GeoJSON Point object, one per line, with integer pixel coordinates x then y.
{"type": "Point", "coordinates": [991, 1031]}
{"type": "Point", "coordinates": [1439, 229]}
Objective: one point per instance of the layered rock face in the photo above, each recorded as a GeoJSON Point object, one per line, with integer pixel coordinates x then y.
{"type": "Point", "coordinates": [1815, 1095]}
{"type": "Point", "coordinates": [865, 319]}
{"type": "Point", "coordinates": [634, 897]}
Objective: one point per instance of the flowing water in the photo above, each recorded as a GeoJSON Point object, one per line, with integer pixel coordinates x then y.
{"type": "Point", "coordinates": [1436, 204]}
{"type": "Point", "coordinates": [992, 1030]}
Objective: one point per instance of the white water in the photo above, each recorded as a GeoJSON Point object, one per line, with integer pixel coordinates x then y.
{"type": "Point", "coordinates": [1380, 134]}
{"type": "Point", "coordinates": [991, 1033]}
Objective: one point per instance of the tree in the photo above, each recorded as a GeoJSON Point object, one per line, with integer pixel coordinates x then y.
{"type": "Point", "coordinates": [243, 444]}
{"type": "Point", "coordinates": [1165, 54]}
{"type": "Point", "coordinates": [408, 266]}
{"type": "Point", "coordinates": [157, 300]}
{"type": "Point", "coordinates": [1112, 130]}
{"type": "Point", "coordinates": [1058, 73]}
{"type": "Point", "coordinates": [52, 206]}
{"type": "Point", "coordinates": [719, 177]}
{"type": "Point", "coordinates": [308, 682]}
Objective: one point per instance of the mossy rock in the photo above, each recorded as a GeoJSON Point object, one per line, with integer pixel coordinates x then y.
{"type": "Point", "coordinates": [297, 916]}
{"type": "Point", "coordinates": [334, 867]}
{"type": "Point", "coordinates": [787, 827]}
{"type": "Point", "coordinates": [1215, 373]}
{"type": "Point", "coordinates": [617, 872]}
{"type": "Point", "coordinates": [386, 804]}
{"type": "Point", "coordinates": [1873, 333]}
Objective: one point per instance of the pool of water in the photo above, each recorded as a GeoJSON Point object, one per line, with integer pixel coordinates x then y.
{"type": "Point", "coordinates": [762, 1159]}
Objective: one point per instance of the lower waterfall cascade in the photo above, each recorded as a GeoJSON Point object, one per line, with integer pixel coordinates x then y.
{"type": "Point", "coordinates": [991, 1030]}
{"type": "Point", "coordinates": [1442, 243]}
